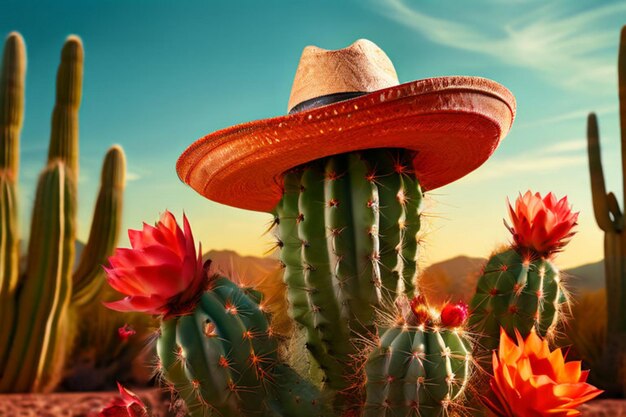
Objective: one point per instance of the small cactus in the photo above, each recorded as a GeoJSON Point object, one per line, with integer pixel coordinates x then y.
{"type": "Point", "coordinates": [420, 366]}
{"type": "Point", "coordinates": [520, 288]}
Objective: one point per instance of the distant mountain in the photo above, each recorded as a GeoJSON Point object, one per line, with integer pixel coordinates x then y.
{"type": "Point", "coordinates": [246, 269]}
{"type": "Point", "coordinates": [588, 277]}
{"type": "Point", "coordinates": [453, 279]}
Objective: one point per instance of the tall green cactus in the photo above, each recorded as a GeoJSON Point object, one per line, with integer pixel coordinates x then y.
{"type": "Point", "coordinates": [347, 230]}
{"type": "Point", "coordinates": [610, 219]}
{"type": "Point", "coordinates": [37, 304]}
{"type": "Point", "coordinates": [222, 359]}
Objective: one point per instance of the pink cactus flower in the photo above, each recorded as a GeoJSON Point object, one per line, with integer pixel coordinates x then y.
{"type": "Point", "coordinates": [125, 332]}
{"type": "Point", "coordinates": [543, 226]}
{"type": "Point", "coordinates": [162, 273]}
{"type": "Point", "coordinates": [129, 405]}
{"type": "Point", "coordinates": [454, 315]}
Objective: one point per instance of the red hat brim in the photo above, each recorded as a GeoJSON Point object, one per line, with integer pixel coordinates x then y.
{"type": "Point", "coordinates": [454, 124]}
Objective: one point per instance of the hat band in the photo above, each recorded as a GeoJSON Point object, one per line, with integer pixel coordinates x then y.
{"type": "Point", "coordinates": [315, 102]}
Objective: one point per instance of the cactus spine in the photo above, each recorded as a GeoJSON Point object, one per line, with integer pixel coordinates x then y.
{"type": "Point", "coordinates": [37, 330]}
{"type": "Point", "coordinates": [347, 230]}
{"type": "Point", "coordinates": [222, 359]}
{"type": "Point", "coordinates": [610, 219]}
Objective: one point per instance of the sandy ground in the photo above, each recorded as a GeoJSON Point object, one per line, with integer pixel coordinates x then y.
{"type": "Point", "coordinates": [75, 404]}
{"type": "Point", "coordinates": [88, 405]}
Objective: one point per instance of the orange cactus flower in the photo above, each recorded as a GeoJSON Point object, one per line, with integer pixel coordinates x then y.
{"type": "Point", "coordinates": [162, 273]}
{"type": "Point", "coordinates": [543, 225]}
{"type": "Point", "coordinates": [530, 381]}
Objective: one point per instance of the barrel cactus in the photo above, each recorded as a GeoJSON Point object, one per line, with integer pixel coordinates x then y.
{"type": "Point", "coordinates": [421, 364]}
{"type": "Point", "coordinates": [37, 304]}
{"type": "Point", "coordinates": [520, 287]}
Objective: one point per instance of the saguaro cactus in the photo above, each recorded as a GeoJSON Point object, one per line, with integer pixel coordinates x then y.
{"type": "Point", "coordinates": [36, 304]}
{"type": "Point", "coordinates": [610, 219]}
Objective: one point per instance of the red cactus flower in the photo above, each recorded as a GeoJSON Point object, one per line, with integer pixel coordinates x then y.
{"type": "Point", "coordinates": [454, 315]}
{"type": "Point", "coordinates": [541, 225]}
{"type": "Point", "coordinates": [129, 405]}
{"type": "Point", "coordinates": [420, 310]}
{"type": "Point", "coordinates": [529, 380]}
{"type": "Point", "coordinates": [125, 332]}
{"type": "Point", "coordinates": [162, 273]}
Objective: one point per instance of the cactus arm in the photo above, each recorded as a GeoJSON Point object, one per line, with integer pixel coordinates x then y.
{"type": "Point", "coordinates": [44, 295]}
{"type": "Point", "coordinates": [598, 187]}
{"type": "Point", "coordinates": [9, 264]}
{"type": "Point", "coordinates": [64, 134]}
{"type": "Point", "coordinates": [105, 229]}
{"type": "Point", "coordinates": [11, 117]}
{"type": "Point", "coordinates": [12, 102]}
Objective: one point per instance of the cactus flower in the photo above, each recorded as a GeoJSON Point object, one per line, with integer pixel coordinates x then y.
{"type": "Point", "coordinates": [125, 332]}
{"type": "Point", "coordinates": [129, 405]}
{"type": "Point", "coordinates": [162, 273]}
{"type": "Point", "coordinates": [454, 315]}
{"type": "Point", "coordinates": [420, 310]}
{"type": "Point", "coordinates": [543, 225]}
{"type": "Point", "coordinates": [529, 380]}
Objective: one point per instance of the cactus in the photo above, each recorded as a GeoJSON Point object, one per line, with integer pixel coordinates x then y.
{"type": "Point", "coordinates": [420, 367]}
{"type": "Point", "coordinates": [222, 359]}
{"type": "Point", "coordinates": [516, 292]}
{"type": "Point", "coordinates": [37, 304]}
{"type": "Point", "coordinates": [610, 219]}
{"type": "Point", "coordinates": [347, 230]}
{"type": "Point", "coordinates": [520, 287]}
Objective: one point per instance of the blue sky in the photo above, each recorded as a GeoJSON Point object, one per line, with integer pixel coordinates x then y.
{"type": "Point", "coordinates": [160, 74]}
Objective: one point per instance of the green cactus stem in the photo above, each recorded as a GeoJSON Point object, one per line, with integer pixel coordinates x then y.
{"type": "Point", "coordinates": [12, 102]}
{"type": "Point", "coordinates": [64, 133]}
{"type": "Point", "coordinates": [347, 229]}
{"type": "Point", "coordinates": [517, 292]}
{"type": "Point", "coordinates": [11, 118]}
{"type": "Point", "coordinates": [610, 219]}
{"type": "Point", "coordinates": [223, 359]}
{"type": "Point", "coordinates": [105, 229]}
{"type": "Point", "coordinates": [45, 294]}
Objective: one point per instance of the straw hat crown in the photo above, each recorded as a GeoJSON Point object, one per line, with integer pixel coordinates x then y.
{"type": "Point", "coordinates": [360, 68]}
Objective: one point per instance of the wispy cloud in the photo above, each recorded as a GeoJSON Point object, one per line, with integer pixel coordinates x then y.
{"type": "Point", "coordinates": [568, 49]}
{"type": "Point", "coordinates": [132, 176]}
{"type": "Point", "coordinates": [567, 116]}
{"type": "Point", "coordinates": [563, 154]}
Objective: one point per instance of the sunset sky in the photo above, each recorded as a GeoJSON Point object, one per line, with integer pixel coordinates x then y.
{"type": "Point", "coordinates": [160, 74]}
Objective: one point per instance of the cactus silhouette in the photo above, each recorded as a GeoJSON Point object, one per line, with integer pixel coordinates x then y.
{"type": "Point", "coordinates": [610, 219]}
{"type": "Point", "coordinates": [37, 304]}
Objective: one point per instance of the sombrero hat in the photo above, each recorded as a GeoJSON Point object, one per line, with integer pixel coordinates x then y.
{"type": "Point", "coordinates": [347, 100]}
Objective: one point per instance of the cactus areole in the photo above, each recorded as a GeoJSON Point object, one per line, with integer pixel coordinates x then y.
{"type": "Point", "coordinates": [345, 101]}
